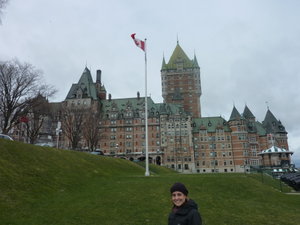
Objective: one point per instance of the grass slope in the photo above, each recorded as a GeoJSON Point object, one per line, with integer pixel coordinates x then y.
{"type": "Point", "coordinates": [41, 186]}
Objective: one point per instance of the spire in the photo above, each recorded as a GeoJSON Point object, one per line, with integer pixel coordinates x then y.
{"type": "Point", "coordinates": [272, 125]}
{"type": "Point", "coordinates": [235, 114]}
{"type": "Point", "coordinates": [270, 117]}
{"type": "Point", "coordinates": [247, 113]}
{"type": "Point", "coordinates": [179, 57]}
{"type": "Point", "coordinates": [85, 88]}
{"type": "Point", "coordinates": [163, 63]}
{"type": "Point", "coordinates": [195, 61]}
{"type": "Point", "coordinates": [86, 77]}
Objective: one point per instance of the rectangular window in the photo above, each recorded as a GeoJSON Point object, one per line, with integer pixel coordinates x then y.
{"type": "Point", "coordinates": [128, 144]}
{"type": "Point", "coordinates": [212, 146]}
{"type": "Point", "coordinates": [213, 154]}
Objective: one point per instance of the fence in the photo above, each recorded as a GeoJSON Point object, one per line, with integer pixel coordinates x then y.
{"type": "Point", "coordinates": [272, 176]}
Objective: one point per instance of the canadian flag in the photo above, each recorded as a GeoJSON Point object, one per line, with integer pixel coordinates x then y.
{"type": "Point", "coordinates": [141, 44]}
{"type": "Point", "coordinates": [24, 119]}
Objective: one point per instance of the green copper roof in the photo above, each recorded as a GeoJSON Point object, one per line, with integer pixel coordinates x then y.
{"type": "Point", "coordinates": [235, 114]}
{"type": "Point", "coordinates": [179, 57]}
{"type": "Point", "coordinates": [195, 61]}
{"type": "Point", "coordinates": [248, 114]}
{"type": "Point", "coordinates": [210, 124]}
{"type": "Point", "coordinates": [125, 103]}
{"type": "Point", "coordinates": [86, 77]}
{"type": "Point", "coordinates": [163, 63]}
{"type": "Point", "coordinates": [261, 131]}
{"type": "Point", "coordinates": [85, 86]}
{"type": "Point", "coordinates": [273, 125]}
{"type": "Point", "coordinates": [270, 117]}
{"type": "Point", "coordinates": [170, 109]}
{"type": "Point", "coordinates": [137, 105]}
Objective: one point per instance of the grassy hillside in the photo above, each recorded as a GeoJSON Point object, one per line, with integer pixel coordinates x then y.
{"type": "Point", "coordinates": [48, 186]}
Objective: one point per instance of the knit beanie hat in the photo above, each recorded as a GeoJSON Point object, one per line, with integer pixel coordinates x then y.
{"type": "Point", "coordinates": [179, 187]}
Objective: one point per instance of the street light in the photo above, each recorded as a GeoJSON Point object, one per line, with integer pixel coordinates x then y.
{"type": "Point", "coordinates": [117, 148]}
{"type": "Point", "coordinates": [180, 141]}
{"type": "Point", "coordinates": [58, 130]}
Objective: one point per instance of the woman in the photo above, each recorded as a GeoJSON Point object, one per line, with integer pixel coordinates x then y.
{"type": "Point", "coordinates": [185, 210]}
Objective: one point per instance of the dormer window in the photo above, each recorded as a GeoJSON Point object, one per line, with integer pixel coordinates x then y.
{"type": "Point", "coordinates": [179, 64]}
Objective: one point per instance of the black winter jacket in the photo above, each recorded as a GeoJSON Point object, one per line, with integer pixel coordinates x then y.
{"type": "Point", "coordinates": [187, 214]}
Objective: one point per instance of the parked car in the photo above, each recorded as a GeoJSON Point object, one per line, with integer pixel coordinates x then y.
{"type": "Point", "coordinates": [45, 144]}
{"type": "Point", "coordinates": [97, 153]}
{"type": "Point", "coordinates": [4, 136]}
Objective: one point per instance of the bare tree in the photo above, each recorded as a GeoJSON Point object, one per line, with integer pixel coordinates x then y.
{"type": "Point", "coordinates": [91, 132]}
{"type": "Point", "coordinates": [3, 3]}
{"type": "Point", "coordinates": [72, 121]}
{"type": "Point", "coordinates": [19, 84]}
{"type": "Point", "coordinates": [37, 110]}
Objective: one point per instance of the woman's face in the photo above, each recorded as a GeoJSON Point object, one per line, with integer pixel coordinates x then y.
{"type": "Point", "coordinates": [178, 198]}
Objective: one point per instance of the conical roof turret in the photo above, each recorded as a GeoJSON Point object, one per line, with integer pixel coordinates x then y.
{"type": "Point", "coordinates": [269, 117]}
{"type": "Point", "coordinates": [85, 88]}
{"type": "Point", "coordinates": [179, 57]}
{"type": "Point", "coordinates": [163, 66]}
{"type": "Point", "coordinates": [196, 62]}
{"type": "Point", "coordinates": [247, 113]}
{"type": "Point", "coordinates": [86, 77]}
{"type": "Point", "coordinates": [273, 125]}
{"type": "Point", "coordinates": [235, 115]}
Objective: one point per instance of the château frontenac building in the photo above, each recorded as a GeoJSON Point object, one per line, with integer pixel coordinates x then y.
{"type": "Point", "coordinates": [178, 136]}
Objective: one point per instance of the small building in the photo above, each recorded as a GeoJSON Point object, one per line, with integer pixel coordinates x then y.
{"type": "Point", "coordinates": [276, 157]}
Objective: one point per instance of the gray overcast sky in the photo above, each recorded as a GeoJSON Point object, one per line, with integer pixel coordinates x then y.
{"type": "Point", "coordinates": [248, 50]}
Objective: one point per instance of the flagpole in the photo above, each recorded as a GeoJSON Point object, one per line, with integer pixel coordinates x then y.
{"type": "Point", "coordinates": [146, 115]}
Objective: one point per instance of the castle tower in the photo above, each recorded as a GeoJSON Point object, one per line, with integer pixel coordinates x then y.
{"type": "Point", "coordinates": [180, 80]}
{"type": "Point", "coordinates": [86, 93]}
{"type": "Point", "coordinates": [277, 135]}
{"type": "Point", "coordinates": [239, 140]}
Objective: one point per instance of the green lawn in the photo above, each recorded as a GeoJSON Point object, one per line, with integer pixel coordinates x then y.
{"type": "Point", "coordinates": [40, 186]}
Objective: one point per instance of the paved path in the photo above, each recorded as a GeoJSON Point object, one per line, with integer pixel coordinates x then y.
{"type": "Point", "coordinates": [293, 193]}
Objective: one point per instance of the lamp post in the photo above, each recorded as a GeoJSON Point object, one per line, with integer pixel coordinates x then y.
{"type": "Point", "coordinates": [58, 130]}
{"type": "Point", "coordinates": [117, 148]}
{"type": "Point", "coordinates": [180, 142]}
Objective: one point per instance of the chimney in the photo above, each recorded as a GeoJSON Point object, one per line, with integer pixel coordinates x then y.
{"type": "Point", "coordinates": [109, 97]}
{"type": "Point", "coordinates": [138, 95]}
{"type": "Point", "coordinates": [98, 77]}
